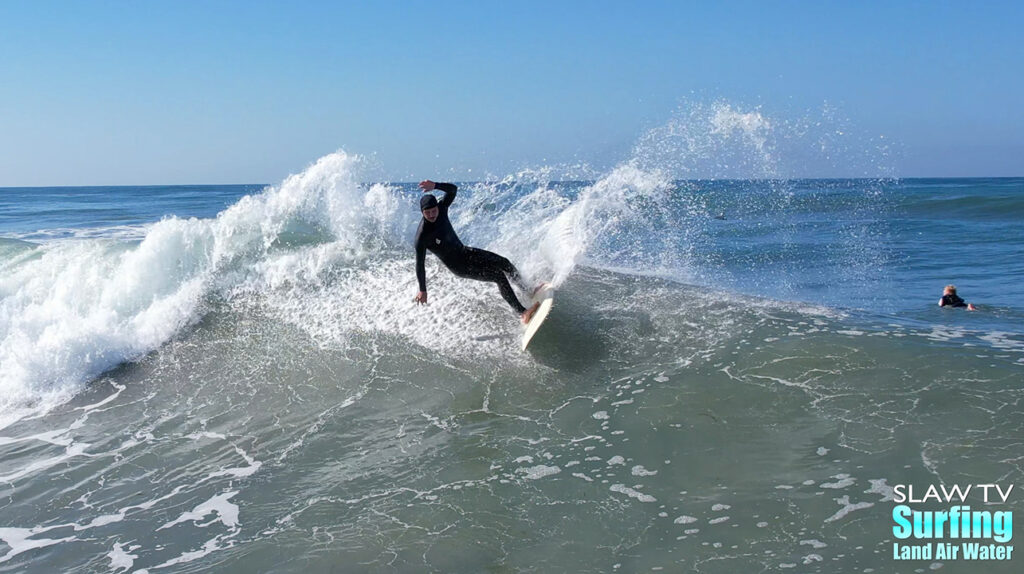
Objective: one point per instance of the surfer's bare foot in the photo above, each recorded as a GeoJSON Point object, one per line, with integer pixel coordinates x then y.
{"type": "Point", "coordinates": [537, 289]}
{"type": "Point", "coordinates": [528, 314]}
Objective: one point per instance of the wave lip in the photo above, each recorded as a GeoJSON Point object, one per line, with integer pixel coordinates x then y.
{"type": "Point", "coordinates": [81, 308]}
{"type": "Point", "coordinates": [71, 310]}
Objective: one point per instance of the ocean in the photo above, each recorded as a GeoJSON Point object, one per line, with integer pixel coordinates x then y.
{"type": "Point", "coordinates": [735, 376]}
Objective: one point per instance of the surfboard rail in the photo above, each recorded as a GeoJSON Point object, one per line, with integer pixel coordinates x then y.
{"type": "Point", "coordinates": [546, 297]}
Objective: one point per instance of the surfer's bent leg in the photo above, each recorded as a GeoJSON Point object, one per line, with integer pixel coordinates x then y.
{"type": "Point", "coordinates": [508, 294]}
{"type": "Point", "coordinates": [486, 266]}
{"type": "Point", "coordinates": [483, 258]}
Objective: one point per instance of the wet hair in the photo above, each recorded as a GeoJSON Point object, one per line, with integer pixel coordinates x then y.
{"type": "Point", "coordinates": [427, 201]}
{"type": "Point", "coordinates": [951, 289]}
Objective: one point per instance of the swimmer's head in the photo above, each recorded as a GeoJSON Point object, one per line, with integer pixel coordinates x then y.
{"type": "Point", "coordinates": [949, 290]}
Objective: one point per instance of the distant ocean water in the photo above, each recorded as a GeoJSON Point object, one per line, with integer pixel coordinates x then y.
{"type": "Point", "coordinates": [734, 376]}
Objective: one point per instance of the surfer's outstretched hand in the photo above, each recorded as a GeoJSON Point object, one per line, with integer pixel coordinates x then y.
{"type": "Point", "coordinates": [427, 185]}
{"type": "Point", "coordinates": [421, 297]}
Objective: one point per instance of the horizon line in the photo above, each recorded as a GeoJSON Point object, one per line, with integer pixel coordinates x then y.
{"type": "Point", "coordinates": [726, 179]}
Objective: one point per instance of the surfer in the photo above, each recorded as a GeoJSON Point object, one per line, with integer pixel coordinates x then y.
{"type": "Point", "coordinates": [436, 235]}
{"type": "Point", "coordinates": [951, 299]}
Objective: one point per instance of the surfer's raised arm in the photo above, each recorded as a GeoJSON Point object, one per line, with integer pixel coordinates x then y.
{"type": "Point", "coordinates": [449, 189]}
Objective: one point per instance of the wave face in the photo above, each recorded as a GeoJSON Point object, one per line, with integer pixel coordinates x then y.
{"type": "Point", "coordinates": [321, 240]}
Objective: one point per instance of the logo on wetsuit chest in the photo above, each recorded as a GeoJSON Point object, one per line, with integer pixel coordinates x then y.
{"type": "Point", "coordinates": [438, 241]}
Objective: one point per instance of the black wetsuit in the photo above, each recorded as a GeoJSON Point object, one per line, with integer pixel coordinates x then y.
{"type": "Point", "coordinates": [953, 301]}
{"type": "Point", "coordinates": [439, 238]}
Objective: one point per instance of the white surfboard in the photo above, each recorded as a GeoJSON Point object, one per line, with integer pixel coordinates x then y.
{"type": "Point", "coordinates": [546, 296]}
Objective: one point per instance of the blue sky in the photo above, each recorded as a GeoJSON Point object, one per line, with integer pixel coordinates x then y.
{"type": "Point", "coordinates": [107, 93]}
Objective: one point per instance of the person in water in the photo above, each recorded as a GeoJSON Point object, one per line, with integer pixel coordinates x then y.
{"type": "Point", "coordinates": [951, 299]}
{"type": "Point", "coordinates": [436, 235]}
